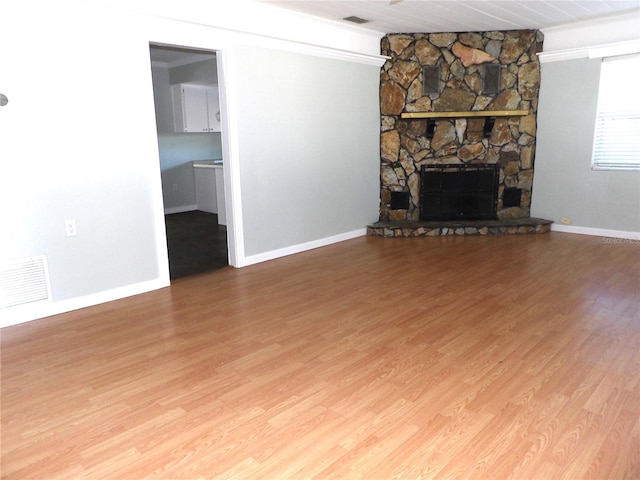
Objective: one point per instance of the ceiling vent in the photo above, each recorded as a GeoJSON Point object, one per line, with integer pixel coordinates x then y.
{"type": "Point", "coordinates": [354, 19]}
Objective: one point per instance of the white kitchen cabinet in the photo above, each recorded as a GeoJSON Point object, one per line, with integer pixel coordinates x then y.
{"type": "Point", "coordinates": [205, 181]}
{"type": "Point", "coordinates": [209, 178]}
{"type": "Point", "coordinates": [196, 108]}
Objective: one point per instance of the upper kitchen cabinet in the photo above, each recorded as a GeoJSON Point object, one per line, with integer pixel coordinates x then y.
{"type": "Point", "coordinates": [196, 108]}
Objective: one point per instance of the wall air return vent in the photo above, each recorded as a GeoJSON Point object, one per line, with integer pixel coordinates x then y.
{"type": "Point", "coordinates": [431, 79]}
{"type": "Point", "coordinates": [24, 281]}
{"type": "Point", "coordinates": [491, 79]}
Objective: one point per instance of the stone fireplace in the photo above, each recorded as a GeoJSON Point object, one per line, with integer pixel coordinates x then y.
{"type": "Point", "coordinates": [458, 99]}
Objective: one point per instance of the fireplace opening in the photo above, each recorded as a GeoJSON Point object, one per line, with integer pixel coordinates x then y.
{"type": "Point", "coordinates": [511, 197]}
{"type": "Point", "coordinates": [458, 192]}
{"type": "Point", "coordinates": [399, 200]}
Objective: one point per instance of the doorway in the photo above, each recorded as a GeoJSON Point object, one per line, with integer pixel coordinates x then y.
{"type": "Point", "coordinates": [185, 88]}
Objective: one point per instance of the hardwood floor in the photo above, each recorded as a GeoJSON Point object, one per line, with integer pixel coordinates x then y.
{"type": "Point", "coordinates": [451, 357]}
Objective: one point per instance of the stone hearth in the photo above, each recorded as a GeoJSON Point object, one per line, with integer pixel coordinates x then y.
{"type": "Point", "coordinates": [509, 226]}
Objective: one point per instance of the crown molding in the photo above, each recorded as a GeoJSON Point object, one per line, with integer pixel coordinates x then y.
{"type": "Point", "coordinates": [601, 37]}
{"type": "Point", "coordinates": [597, 51]}
{"type": "Point", "coordinates": [247, 21]}
{"type": "Point", "coordinates": [614, 49]}
{"type": "Point", "coordinates": [614, 34]}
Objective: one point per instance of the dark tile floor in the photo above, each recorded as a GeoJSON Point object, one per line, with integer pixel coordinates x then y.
{"type": "Point", "coordinates": [196, 243]}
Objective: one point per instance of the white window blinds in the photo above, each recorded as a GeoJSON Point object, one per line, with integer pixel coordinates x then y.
{"type": "Point", "coordinates": [617, 129]}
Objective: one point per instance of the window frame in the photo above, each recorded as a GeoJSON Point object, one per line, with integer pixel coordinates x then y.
{"type": "Point", "coordinates": [598, 162]}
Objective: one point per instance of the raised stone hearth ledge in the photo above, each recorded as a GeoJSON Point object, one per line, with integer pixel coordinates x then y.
{"type": "Point", "coordinates": [507, 226]}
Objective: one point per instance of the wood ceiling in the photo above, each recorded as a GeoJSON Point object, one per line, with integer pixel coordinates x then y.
{"type": "Point", "coordinates": [400, 16]}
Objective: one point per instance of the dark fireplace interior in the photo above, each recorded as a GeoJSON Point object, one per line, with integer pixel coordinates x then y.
{"type": "Point", "coordinates": [458, 192]}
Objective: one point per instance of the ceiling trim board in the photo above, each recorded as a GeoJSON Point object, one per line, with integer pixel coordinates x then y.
{"type": "Point", "coordinates": [597, 51]}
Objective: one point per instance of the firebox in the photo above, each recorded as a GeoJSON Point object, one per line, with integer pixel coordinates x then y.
{"type": "Point", "coordinates": [458, 192]}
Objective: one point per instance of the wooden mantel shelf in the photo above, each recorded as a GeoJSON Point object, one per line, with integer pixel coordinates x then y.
{"type": "Point", "coordinates": [477, 113]}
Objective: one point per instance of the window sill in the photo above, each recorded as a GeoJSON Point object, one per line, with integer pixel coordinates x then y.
{"type": "Point", "coordinates": [616, 168]}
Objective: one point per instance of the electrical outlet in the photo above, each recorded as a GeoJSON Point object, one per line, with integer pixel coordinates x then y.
{"type": "Point", "coordinates": [70, 229]}
{"type": "Point", "coordinates": [565, 220]}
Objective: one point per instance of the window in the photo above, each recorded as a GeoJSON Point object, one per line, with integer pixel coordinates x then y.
{"type": "Point", "coordinates": [617, 131]}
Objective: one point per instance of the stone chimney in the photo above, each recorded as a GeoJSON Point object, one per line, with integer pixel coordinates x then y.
{"type": "Point", "coordinates": [407, 143]}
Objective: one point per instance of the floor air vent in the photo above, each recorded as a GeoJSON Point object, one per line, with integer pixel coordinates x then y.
{"type": "Point", "coordinates": [24, 281]}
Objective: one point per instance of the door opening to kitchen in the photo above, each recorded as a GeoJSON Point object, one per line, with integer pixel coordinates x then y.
{"type": "Point", "coordinates": [185, 90]}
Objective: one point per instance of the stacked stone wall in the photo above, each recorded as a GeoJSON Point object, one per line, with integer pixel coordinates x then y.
{"type": "Point", "coordinates": [404, 143]}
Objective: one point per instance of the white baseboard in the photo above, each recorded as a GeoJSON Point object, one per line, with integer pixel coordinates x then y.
{"type": "Point", "coordinates": [27, 312]}
{"type": "Point", "coordinates": [598, 232]}
{"type": "Point", "coordinates": [283, 252]}
{"type": "Point", "coordinates": [181, 209]}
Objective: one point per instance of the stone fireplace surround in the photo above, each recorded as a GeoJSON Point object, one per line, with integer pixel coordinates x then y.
{"type": "Point", "coordinates": [406, 144]}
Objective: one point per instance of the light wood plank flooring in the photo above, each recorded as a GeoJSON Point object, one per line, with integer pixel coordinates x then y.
{"type": "Point", "coordinates": [452, 357]}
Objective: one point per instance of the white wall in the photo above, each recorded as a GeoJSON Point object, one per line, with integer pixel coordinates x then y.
{"type": "Point", "coordinates": [564, 184]}
{"type": "Point", "coordinates": [308, 172]}
{"type": "Point", "coordinates": [78, 79]}
{"type": "Point", "coordinates": [205, 72]}
{"type": "Point", "coordinates": [78, 142]}
{"type": "Point", "coordinates": [178, 151]}
{"type": "Point", "coordinates": [596, 201]}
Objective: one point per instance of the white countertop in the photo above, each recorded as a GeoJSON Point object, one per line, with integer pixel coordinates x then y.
{"type": "Point", "coordinates": [207, 164]}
